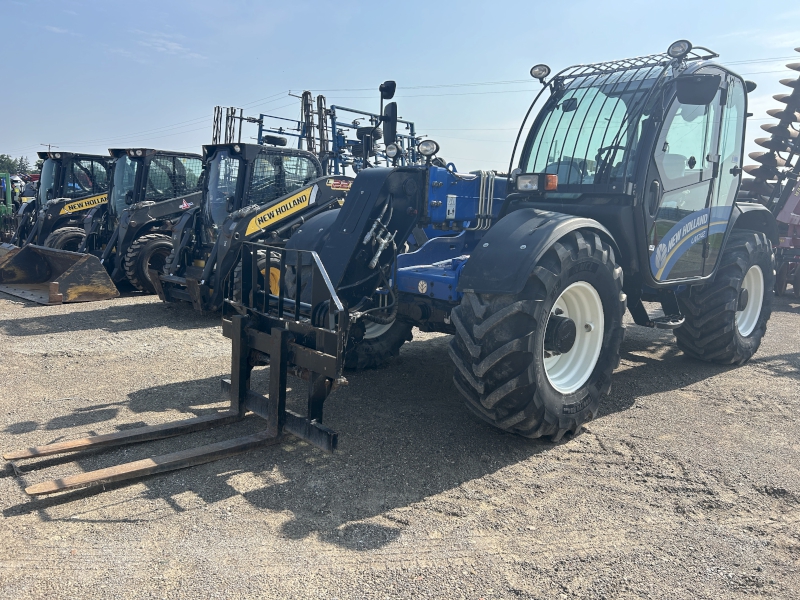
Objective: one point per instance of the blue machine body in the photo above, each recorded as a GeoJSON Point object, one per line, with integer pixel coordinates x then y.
{"type": "Point", "coordinates": [461, 208]}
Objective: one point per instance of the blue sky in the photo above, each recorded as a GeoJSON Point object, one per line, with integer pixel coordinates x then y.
{"type": "Point", "coordinates": [89, 75]}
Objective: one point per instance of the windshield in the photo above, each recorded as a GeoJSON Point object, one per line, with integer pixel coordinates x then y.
{"type": "Point", "coordinates": [223, 175]}
{"type": "Point", "coordinates": [124, 178]}
{"type": "Point", "coordinates": [588, 131]}
{"type": "Point", "coordinates": [47, 180]}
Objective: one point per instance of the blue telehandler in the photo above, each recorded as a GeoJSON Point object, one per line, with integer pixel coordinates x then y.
{"type": "Point", "coordinates": [622, 190]}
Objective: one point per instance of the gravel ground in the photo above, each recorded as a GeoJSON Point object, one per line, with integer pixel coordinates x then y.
{"type": "Point", "coordinates": [686, 486]}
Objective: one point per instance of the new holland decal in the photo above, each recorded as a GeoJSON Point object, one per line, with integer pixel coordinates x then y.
{"type": "Point", "coordinates": [280, 211]}
{"type": "Point", "coordinates": [84, 204]}
{"type": "Point", "coordinates": [684, 234]}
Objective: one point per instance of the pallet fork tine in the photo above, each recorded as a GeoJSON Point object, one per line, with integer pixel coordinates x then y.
{"type": "Point", "coordinates": [293, 347]}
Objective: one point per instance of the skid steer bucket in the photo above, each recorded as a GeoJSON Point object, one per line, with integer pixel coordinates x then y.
{"type": "Point", "coordinates": [50, 276]}
{"type": "Point", "coordinates": [6, 249]}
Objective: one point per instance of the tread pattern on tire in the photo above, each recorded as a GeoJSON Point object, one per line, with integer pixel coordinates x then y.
{"type": "Point", "coordinates": [492, 348]}
{"type": "Point", "coordinates": [57, 238]}
{"type": "Point", "coordinates": [709, 332]}
{"type": "Point", "coordinates": [372, 353]}
{"type": "Point", "coordinates": [131, 261]}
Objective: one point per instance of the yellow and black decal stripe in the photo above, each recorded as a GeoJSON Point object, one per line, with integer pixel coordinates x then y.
{"type": "Point", "coordinates": [84, 204]}
{"type": "Point", "coordinates": [278, 212]}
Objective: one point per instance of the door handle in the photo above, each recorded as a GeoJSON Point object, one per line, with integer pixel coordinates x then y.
{"type": "Point", "coordinates": [655, 197]}
{"type": "Point", "coordinates": [736, 170]}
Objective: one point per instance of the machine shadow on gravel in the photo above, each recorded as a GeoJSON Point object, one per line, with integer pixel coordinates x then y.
{"type": "Point", "coordinates": [115, 319]}
{"type": "Point", "coordinates": [405, 436]}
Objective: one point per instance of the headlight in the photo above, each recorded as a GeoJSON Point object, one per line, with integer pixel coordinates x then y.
{"type": "Point", "coordinates": [139, 153]}
{"type": "Point", "coordinates": [392, 150]}
{"type": "Point", "coordinates": [540, 71]}
{"type": "Point", "coordinates": [528, 183]}
{"type": "Point", "coordinates": [428, 148]}
{"type": "Point", "coordinates": [237, 148]}
{"type": "Point", "coordinates": [680, 48]}
{"type": "Point", "coordinates": [536, 182]}
{"type": "Point", "coordinates": [57, 155]}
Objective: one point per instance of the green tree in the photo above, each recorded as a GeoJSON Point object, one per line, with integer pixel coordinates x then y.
{"type": "Point", "coordinates": [23, 165]}
{"type": "Point", "coordinates": [39, 165]}
{"type": "Point", "coordinates": [7, 164]}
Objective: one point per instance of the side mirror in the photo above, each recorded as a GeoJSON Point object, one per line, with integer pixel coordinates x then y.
{"type": "Point", "coordinates": [390, 123]}
{"type": "Point", "coordinates": [387, 89]}
{"type": "Point", "coordinates": [129, 197]}
{"type": "Point", "coordinates": [750, 86]}
{"type": "Point", "coordinates": [698, 89]}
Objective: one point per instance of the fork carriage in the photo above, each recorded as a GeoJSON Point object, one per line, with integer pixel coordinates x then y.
{"type": "Point", "coordinates": [295, 338]}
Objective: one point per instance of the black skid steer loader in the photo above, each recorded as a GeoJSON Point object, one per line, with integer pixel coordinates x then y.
{"type": "Point", "coordinates": [71, 184]}
{"type": "Point", "coordinates": [132, 232]}
{"type": "Point", "coordinates": [251, 192]}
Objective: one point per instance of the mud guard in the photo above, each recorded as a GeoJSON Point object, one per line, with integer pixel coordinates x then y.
{"type": "Point", "coordinates": [504, 258]}
{"type": "Point", "coordinates": [757, 217]}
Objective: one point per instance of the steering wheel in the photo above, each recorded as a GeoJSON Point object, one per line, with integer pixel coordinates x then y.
{"type": "Point", "coordinates": [604, 151]}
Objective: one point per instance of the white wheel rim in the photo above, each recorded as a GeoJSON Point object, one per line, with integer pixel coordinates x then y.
{"type": "Point", "coordinates": [747, 319]}
{"type": "Point", "coordinates": [568, 371]}
{"type": "Point", "coordinates": [373, 330]}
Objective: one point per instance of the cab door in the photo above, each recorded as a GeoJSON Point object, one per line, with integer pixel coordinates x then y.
{"type": "Point", "coordinates": [681, 187]}
{"type": "Point", "coordinates": [731, 148]}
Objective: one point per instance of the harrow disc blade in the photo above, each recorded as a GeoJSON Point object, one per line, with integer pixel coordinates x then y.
{"type": "Point", "coordinates": [784, 115]}
{"type": "Point", "coordinates": [773, 143]}
{"type": "Point", "coordinates": [756, 187]}
{"type": "Point", "coordinates": [768, 159]}
{"type": "Point", "coordinates": [778, 130]}
{"type": "Point", "coordinates": [761, 172]}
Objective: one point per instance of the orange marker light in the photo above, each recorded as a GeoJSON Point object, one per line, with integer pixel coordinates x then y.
{"type": "Point", "coordinates": [550, 183]}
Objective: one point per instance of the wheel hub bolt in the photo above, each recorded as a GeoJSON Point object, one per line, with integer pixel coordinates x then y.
{"type": "Point", "coordinates": [744, 297]}
{"type": "Point", "coordinates": [559, 336]}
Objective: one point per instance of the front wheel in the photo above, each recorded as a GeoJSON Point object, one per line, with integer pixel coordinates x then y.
{"type": "Point", "coordinates": [536, 363]}
{"type": "Point", "coordinates": [148, 252]}
{"type": "Point", "coordinates": [66, 238]}
{"type": "Point", "coordinates": [727, 318]}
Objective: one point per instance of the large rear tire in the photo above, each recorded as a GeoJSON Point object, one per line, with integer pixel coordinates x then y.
{"type": "Point", "coordinates": [66, 238]}
{"type": "Point", "coordinates": [722, 326]}
{"type": "Point", "coordinates": [504, 372]}
{"type": "Point", "coordinates": [150, 251]}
